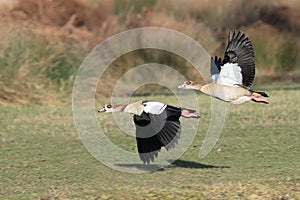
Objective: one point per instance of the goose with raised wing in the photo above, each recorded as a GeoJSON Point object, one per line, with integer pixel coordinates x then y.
{"type": "Point", "coordinates": [234, 75]}
{"type": "Point", "coordinates": [157, 125]}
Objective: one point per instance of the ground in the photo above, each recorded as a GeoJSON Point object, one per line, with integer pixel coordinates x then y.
{"type": "Point", "coordinates": [256, 157]}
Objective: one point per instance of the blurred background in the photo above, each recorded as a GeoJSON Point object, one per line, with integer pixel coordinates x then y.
{"type": "Point", "coordinates": [44, 42]}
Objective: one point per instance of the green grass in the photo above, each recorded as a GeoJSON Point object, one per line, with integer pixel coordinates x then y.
{"type": "Point", "coordinates": [256, 157]}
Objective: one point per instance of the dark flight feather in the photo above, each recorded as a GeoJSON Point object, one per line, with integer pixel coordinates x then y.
{"type": "Point", "coordinates": [240, 50]}
{"type": "Point", "coordinates": [215, 65]}
{"type": "Point", "coordinates": [156, 131]}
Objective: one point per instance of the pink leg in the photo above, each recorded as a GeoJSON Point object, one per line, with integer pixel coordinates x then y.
{"type": "Point", "coordinates": [190, 115]}
{"type": "Point", "coordinates": [259, 100]}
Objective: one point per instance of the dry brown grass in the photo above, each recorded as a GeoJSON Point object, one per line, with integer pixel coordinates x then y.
{"type": "Point", "coordinates": [272, 26]}
{"type": "Point", "coordinates": [35, 69]}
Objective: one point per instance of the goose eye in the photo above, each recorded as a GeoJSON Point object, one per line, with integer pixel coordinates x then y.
{"type": "Point", "coordinates": [109, 106]}
{"type": "Point", "coordinates": [188, 82]}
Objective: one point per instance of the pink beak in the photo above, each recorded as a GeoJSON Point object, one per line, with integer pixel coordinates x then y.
{"type": "Point", "coordinates": [101, 110]}
{"type": "Point", "coordinates": [181, 86]}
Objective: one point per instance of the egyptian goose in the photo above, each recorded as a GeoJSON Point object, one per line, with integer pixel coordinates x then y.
{"type": "Point", "coordinates": [157, 125]}
{"type": "Point", "coordinates": [232, 76]}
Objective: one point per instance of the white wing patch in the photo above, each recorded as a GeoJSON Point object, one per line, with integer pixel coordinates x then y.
{"type": "Point", "coordinates": [154, 107]}
{"type": "Point", "coordinates": [230, 75]}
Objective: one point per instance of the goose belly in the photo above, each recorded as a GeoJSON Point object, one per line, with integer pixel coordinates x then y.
{"type": "Point", "coordinates": [226, 93]}
{"type": "Point", "coordinates": [235, 93]}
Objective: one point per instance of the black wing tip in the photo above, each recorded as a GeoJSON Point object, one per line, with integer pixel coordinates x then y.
{"type": "Point", "coordinates": [263, 94]}
{"type": "Point", "coordinates": [189, 110]}
{"type": "Point", "coordinates": [240, 49]}
{"type": "Point", "coordinates": [149, 157]}
{"type": "Point", "coordinates": [167, 136]}
{"type": "Point", "coordinates": [237, 35]}
{"type": "Point", "coordinates": [215, 66]}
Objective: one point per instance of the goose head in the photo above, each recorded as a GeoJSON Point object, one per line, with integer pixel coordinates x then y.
{"type": "Point", "coordinates": [108, 108]}
{"type": "Point", "coordinates": [190, 85]}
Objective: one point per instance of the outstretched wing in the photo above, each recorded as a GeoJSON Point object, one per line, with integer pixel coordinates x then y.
{"type": "Point", "coordinates": [215, 68]}
{"type": "Point", "coordinates": [154, 131]}
{"type": "Point", "coordinates": [240, 50]}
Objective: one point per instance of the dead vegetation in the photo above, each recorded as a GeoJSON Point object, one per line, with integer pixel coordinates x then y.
{"type": "Point", "coordinates": [80, 20]}
{"type": "Point", "coordinates": [272, 26]}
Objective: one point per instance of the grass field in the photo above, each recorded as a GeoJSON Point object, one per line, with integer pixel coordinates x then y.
{"type": "Point", "coordinates": [257, 156]}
